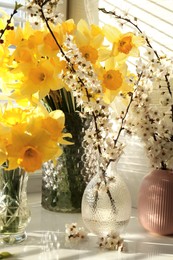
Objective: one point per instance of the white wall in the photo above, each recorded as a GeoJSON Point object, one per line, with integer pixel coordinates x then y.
{"type": "Point", "coordinates": [83, 9]}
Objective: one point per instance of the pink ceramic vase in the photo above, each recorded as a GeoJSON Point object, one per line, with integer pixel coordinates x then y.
{"type": "Point", "coordinates": [155, 203]}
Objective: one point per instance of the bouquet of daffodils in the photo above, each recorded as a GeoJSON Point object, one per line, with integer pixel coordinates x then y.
{"type": "Point", "coordinates": [30, 135]}
{"type": "Point", "coordinates": [87, 62]}
{"type": "Point", "coordinates": [92, 63]}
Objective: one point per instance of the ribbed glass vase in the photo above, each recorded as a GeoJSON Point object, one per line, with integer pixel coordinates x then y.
{"type": "Point", "coordinates": [14, 211]}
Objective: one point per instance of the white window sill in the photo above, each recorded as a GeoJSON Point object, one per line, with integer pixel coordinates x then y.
{"type": "Point", "coordinates": [46, 239]}
{"type": "Point", "coordinates": [34, 182]}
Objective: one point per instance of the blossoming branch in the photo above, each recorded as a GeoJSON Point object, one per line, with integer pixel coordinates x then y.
{"type": "Point", "coordinates": [29, 134]}
{"type": "Point", "coordinates": [95, 74]}
{"type": "Point", "coordinates": [152, 107]}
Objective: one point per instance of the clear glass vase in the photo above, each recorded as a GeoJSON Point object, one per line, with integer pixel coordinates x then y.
{"type": "Point", "coordinates": [63, 183]}
{"type": "Point", "coordinates": [14, 211]}
{"type": "Point", "coordinates": [106, 204]}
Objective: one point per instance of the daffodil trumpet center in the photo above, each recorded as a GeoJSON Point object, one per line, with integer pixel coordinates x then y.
{"type": "Point", "coordinates": [125, 44]}
{"type": "Point", "coordinates": [30, 159]}
{"type": "Point", "coordinates": [112, 79]}
{"type": "Point", "coordinates": [90, 53]}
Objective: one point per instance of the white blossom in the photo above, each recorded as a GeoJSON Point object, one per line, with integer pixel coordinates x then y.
{"type": "Point", "coordinates": [74, 234]}
{"type": "Point", "coordinates": [111, 241]}
{"type": "Point", "coordinates": [151, 113]}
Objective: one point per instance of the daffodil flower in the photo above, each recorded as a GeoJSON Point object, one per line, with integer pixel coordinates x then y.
{"type": "Point", "coordinates": [123, 44]}
{"type": "Point", "coordinates": [113, 78]}
{"type": "Point", "coordinates": [89, 40]}
{"type": "Point", "coordinates": [30, 136]}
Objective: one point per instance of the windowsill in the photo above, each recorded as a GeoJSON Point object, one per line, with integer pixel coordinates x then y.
{"type": "Point", "coordinates": [46, 239]}
{"type": "Point", "coordinates": [34, 182]}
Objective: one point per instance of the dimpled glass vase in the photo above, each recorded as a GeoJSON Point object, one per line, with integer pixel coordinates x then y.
{"type": "Point", "coordinates": [63, 183]}
{"type": "Point", "coordinates": [106, 204]}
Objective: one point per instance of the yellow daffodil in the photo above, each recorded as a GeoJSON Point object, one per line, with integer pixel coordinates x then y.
{"type": "Point", "coordinates": [50, 42]}
{"type": "Point", "coordinates": [27, 44]}
{"type": "Point", "coordinates": [54, 124]}
{"type": "Point", "coordinates": [113, 78]}
{"type": "Point", "coordinates": [68, 26]}
{"type": "Point", "coordinates": [23, 53]}
{"type": "Point", "coordinates": [14, 116]}
{"type": "Point", "coordinates": [5, 73]}
{"type": "Point", "coordinates": [29, 150]}
{"type": "Point", "coordinates": [90, 53]}
{"type": "Point", "coordinates": [30, 136]}
{"type": "Point", "coordinates": [40, 78]}
{"type": "Point", "coordinates": [4, 53]}
{"type": "Point", "coordinates": [49, 45]}
{"type": "Point", "coordinates": [16, 36]}
{"type": "Point", "coordinates": [123, 44]}
{"type": "Point", "coordinates": [5, 134]}
{"type": "Point", "coordinates": [89, 40]}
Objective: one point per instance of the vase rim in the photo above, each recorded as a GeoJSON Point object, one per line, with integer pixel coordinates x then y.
{"type": "Point", "coordinates": [163, 170]}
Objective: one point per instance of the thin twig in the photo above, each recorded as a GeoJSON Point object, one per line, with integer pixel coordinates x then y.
{"type": "Point", "coordinates": [127, 110]}
{"type": "Point", "coordinates": [132, 23]}
{"type": "Point", "coordinates": [73, 71]}
{"type": "Point", "coordinates": [2, 31]}
{"type": "Point", "coordinates": [80, 81]}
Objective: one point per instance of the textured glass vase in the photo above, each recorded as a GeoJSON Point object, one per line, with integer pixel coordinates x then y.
{"type": "Point", "coordinates": [14, 211]}
{"type": "Point", "coordinates": [63, 184]}
{"type": "Point", "coordinates": [106, 204]}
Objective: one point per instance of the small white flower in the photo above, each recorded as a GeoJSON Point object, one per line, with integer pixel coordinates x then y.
{"type": "Point", "coordinates": [71, 229]}
{"type": "Point", "coordinates": [74, 234]}
{"type": "Point", "coordinates": [112, 242]}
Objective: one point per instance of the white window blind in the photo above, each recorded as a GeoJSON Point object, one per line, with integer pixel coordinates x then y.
{"type": "Point", "coordinates": [155, 18]}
